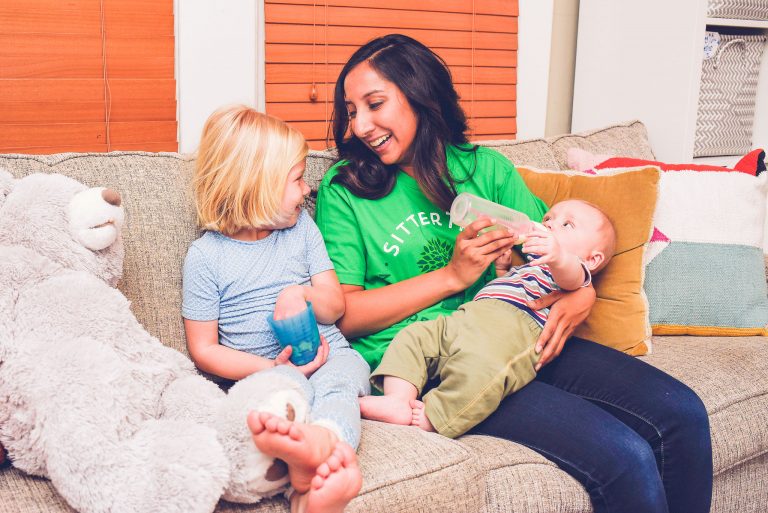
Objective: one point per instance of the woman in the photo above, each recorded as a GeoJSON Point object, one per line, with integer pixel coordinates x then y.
{"type": "Point", "coordinates": [637, 439]}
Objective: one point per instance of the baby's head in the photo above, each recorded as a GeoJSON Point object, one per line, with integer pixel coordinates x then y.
{"type": "Point", "coordinates": [249, 171]}
{"type": "Point", "coordinates": [584, 230]}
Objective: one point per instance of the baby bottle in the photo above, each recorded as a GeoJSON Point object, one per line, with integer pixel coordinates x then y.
{"type": "Point", "coordinates": [467, 208]}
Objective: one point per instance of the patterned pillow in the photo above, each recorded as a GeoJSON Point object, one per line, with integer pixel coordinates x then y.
{"type": "Point", "coordinates": [619, 318]}
{"type": "Point", "coordinates": [705, 271]}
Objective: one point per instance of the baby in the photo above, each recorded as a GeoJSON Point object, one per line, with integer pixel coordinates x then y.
{"type": "Point", "coordinates": [486, 349]}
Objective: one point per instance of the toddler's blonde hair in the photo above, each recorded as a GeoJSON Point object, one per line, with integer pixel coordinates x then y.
{"type": "Point", "coordinates": [242, 164]}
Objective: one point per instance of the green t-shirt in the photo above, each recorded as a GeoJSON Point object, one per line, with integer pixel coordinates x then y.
{"type": "Point", "coordinates": [374, 243]}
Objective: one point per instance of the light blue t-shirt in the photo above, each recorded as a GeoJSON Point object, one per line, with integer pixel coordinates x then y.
{"type": "Point", "coordinates": [237, 283]}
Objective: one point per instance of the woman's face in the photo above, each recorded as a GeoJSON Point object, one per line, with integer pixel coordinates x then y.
{"type": "Point", "coordinates": [380, 116]}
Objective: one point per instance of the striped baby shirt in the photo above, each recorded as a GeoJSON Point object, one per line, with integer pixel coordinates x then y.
{"type": "Point", "coordinates": [522, 283]}
{"type": "Point", "coordinates": [526, 283]}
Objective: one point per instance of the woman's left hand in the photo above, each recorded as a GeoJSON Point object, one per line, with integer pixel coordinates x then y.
{"type": "Point", "coordinates": [569, 309]}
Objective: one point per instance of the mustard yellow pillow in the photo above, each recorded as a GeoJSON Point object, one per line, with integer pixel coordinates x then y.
{"type": "Point", "coordinates": [619, 318]}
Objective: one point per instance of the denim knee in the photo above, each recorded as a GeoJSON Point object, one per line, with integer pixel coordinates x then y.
{"type": "Point", "coordinates": [686, 410]}
{"type": "Point", "coordinates": [634, 484]}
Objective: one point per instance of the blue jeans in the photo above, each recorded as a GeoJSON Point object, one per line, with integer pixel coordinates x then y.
{"type": "Point", "coordinates": [636, 438]}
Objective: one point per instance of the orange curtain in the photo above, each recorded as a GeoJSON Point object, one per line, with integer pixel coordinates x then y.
{"type": "Point", "coordinates": [308, 41]}
{"type": "Point", "coordinates": [87, 75]}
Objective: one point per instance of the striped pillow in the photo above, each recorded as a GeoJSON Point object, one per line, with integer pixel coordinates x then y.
{"type": "Point", "coordinates": [705, 271]}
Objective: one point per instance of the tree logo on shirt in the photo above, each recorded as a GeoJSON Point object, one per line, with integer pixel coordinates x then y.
{"type": "Point", "coordinates": [435, 255]}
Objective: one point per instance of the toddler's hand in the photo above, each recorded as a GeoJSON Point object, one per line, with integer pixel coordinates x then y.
{"type": "Point", "coordinates": [284, 358]}
{"type": "Point", "coordinates": [290, 302]}
{"type": "Point", "coordinates": [544, 245]}
{"type": "Point", "coordinates": [322, 356]}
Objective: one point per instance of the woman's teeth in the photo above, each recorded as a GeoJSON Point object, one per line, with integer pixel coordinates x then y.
{"type": "Point", "coordinates": [381, 140]}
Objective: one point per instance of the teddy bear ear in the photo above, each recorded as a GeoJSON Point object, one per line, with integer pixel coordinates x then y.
{"type": "Point", "coordinates": [6, 184]}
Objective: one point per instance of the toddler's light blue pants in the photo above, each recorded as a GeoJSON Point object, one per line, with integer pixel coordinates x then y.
{"type": "Point", "coordinates": [333, 392]}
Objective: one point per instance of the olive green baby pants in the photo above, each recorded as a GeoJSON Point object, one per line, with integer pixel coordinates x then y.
{"type": "Point", "coordinates": [480, 354]}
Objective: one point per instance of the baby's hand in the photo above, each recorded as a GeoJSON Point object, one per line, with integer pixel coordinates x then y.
{"type": "Point", "coordinates": [290, 301]}
{"type": "Point", "coordinates": [543, 244]}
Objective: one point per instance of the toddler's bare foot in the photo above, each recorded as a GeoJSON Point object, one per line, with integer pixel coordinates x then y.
{"type": "Point", "coordinates": [302, 446]}
{"type": "Point", "coordinates": [386, 408]}
{"type": "Point", "coordinates": [337, 481]}
{"type": "Point", "coordinates": [419, 417]}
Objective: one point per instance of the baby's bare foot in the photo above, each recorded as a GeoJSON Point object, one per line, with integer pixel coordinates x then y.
{"type": "Point", "coordinates": [386, 408]}
{"type": "Point", "coordinates": [337, 481]}
{"type": "Point", "coordinates": [302, 446]}
{"type": "Point", "coordinates": [419, 417]}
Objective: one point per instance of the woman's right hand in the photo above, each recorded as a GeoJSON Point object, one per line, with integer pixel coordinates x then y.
{"type": "Point", "coordinates": [473, 253]}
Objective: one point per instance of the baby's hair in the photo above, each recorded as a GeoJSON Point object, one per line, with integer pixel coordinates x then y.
{"type": "Point", "coordinates": [242, 164]}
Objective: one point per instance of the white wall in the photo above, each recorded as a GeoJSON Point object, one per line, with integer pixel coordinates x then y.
{"type": "Point", "coordinates": [534, 45]}
{"type": "Point", "coordinates": [218, 60]}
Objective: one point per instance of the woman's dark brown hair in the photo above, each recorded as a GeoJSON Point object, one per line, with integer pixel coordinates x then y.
{"type": "Point", "coordinates": [425, 81]}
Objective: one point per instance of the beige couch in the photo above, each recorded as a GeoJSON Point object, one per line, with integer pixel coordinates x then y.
{"type": "Point", "coordinates": [406, 470]}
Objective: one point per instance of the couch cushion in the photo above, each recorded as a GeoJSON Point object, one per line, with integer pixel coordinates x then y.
{"type": "Point", "coordinates": [403, 467]}
{"type": "Point", "coordinates": [730, 374]}
{"type": "Point", "coordinates": [20, 493]}
{"type": "Point", "coordinates": [400, 464]}
{"type": "Point", "coordinates": [519, 479]}
{"type": "Point", "coordinates": [532, 152]}
{"type": "Point", "coordinates": [318, 162]}
{"type": "Point", "coordinates": [627, 139]}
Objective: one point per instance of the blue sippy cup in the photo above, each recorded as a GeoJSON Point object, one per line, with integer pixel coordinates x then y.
{"type": "Point", "coordinates": [299, 332]}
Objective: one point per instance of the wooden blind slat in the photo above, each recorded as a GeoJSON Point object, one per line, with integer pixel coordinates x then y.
{"type": "Point", "coordinates": [92, 148]}
{"type": "Point", "coordinates": [136, 132]}
{"type": "Point", "coordinates": [496, 126]}
{"type": "Point", "coordinates": [386, 17]}
{"type": "Point", "coordinates": [65, 111]}
{"type": "Point", "coordinates": [356, 36]}
{"type": "Point", "coordinates": [279, 93]}
{"type": "Point", "coordinates": [51, 56]}
{"type": "Point", "coordinates": [59, 20]}
{"type": "Point", "coordinates": [157, 7]}
{"type": "Point", "coordinates": [317, 111]}
{"type": "Point", "coordinates": [294, 73]}
{"type": "Point", "coordinates": [129, 90]}
{"type": "Point", "coordinates": [338, 54]}
{"type": "Point", "coordinates": [498, 7]}
{"type": "Point", "coordinates": [55, 134]}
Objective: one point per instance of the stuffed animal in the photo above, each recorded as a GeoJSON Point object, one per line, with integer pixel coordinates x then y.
{"type": "Point", "coordinates": [117, 421]}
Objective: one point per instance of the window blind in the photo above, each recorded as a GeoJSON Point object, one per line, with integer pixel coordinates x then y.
{"type": "Point", "coordinates": [308, 42]}
{"type": "Point", "coordinates": [87, 76]}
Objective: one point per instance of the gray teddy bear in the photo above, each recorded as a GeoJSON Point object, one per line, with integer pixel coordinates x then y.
{"type": "Point", "coordinates": [117, 421]}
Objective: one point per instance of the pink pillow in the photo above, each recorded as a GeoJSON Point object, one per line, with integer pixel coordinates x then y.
{"type": "Point", "coordinates": [584, 161]}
